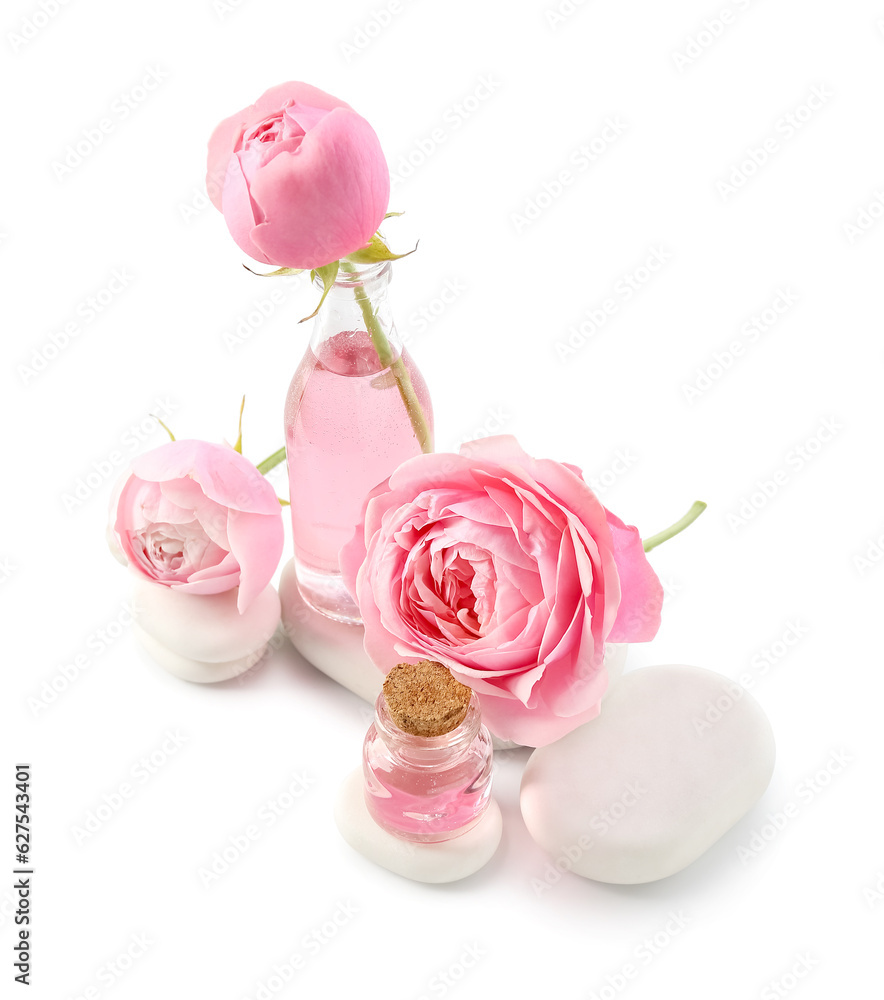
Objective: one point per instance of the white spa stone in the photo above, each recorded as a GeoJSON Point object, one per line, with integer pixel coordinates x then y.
{"type": "Point", "coordinates": [333, 647]}
{"type": "Point", "coordinates": [448, 861]}
{"type": "Point", "coordinates": [336, 648]}
{"type": "Point", "coordinates": [676, 757]}
{"type": "Point", "coordinates": [202, 637]}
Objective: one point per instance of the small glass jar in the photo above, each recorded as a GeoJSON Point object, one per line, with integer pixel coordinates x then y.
{"type": "Point", "coordinates": [427, 789]}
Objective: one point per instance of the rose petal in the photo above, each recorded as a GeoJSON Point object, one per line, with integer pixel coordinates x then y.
{"type": "Point", "coordinates": [224, 475]}
{"type": "Point", "coordinates": [511, 720]}
{"type": "Point", "coordinates": [304, 116]}
{"type": "Point", "coordinates": [324, 201]}
{"type": "Point", "coordinates": [505, 568]}
{"type": "Point", "coordinates": [641, 601]}
{"type": "Point", "coordinates": [256, 541]}
{"type": "Point", "coordinates": [227, 134]}
{"type": "Point", "coordinates": [199, 517]}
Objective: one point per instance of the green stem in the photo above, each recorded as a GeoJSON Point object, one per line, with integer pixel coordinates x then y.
{"type": "Point", "coordinates": [271, 462]}
{"type": "Point", "coordinates": [385, 355]}
{"type": "Point", "coordinates": [673, 529]}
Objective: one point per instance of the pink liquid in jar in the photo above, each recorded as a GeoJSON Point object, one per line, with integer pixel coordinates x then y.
{"type": "Point", "coordinates": [427, 790]}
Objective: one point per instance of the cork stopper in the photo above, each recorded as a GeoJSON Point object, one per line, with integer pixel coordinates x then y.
{"type": "Point", "coordinates": [424, 699]}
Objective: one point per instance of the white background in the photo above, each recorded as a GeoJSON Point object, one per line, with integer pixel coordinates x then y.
{"type": "Point", "coordinates": [513, 93]}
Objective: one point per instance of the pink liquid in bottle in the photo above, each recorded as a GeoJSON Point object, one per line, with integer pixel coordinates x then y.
{"type": "Point", "coordinates": [347, 429]}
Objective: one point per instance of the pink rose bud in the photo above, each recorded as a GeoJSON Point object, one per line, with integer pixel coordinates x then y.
{"type": "Point", "coordinates": [300, 177]}
{"type": "Point", "coordinates": [509, 571]}
{"type": "Point", "coordinates": [200, 518]}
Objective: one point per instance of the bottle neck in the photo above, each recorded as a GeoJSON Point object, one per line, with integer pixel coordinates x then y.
{"type": "Point", "coordinates": [427, 751]}
{"type": "Point", "coordinates": [358, 304]}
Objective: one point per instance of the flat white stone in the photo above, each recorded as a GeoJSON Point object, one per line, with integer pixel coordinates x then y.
{"type": "Point", "coordinates": [202, 637]}
{"type": "Point", "coordinates": [333, 647]}
{"type": "Point", "coordinates": [336, 648]}
{"type": "Point", "coordinates": [676, 757]}
{"type": "Point", "coordinates": [446, 862]}
{"type": "Point", "coordinates": [198, 671]}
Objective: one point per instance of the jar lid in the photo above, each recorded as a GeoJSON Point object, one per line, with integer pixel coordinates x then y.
{"type": "Point", "coordinates": [424, 699]}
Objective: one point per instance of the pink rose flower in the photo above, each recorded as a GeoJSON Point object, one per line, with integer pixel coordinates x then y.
{"type": "Point", "coordinates": [300, 177]}
{"type": "Point", "coordinates": [509, 571]}
{"type": "Point", "coordinates": [200, 518]}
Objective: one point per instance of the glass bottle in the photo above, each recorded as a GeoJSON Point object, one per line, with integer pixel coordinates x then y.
{"type": "Point", "coordinates": [427, 789]}
{"type": "Point", "coordinates": [357, 407]}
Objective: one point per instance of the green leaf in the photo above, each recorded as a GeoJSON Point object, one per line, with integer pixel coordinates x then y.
{"type": "Point", "coordinates": [165, 428]}
{"type": "Point", "coordinates": [271, 462]}
{"type": "Point", "coordinates": [238, 445]}
{"type": "Point", "coordinates": [279, 272]}
{"type": "Point", "coordinates": [376, 251]}
{"type": "Point", "coordinates": [328, 273]}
